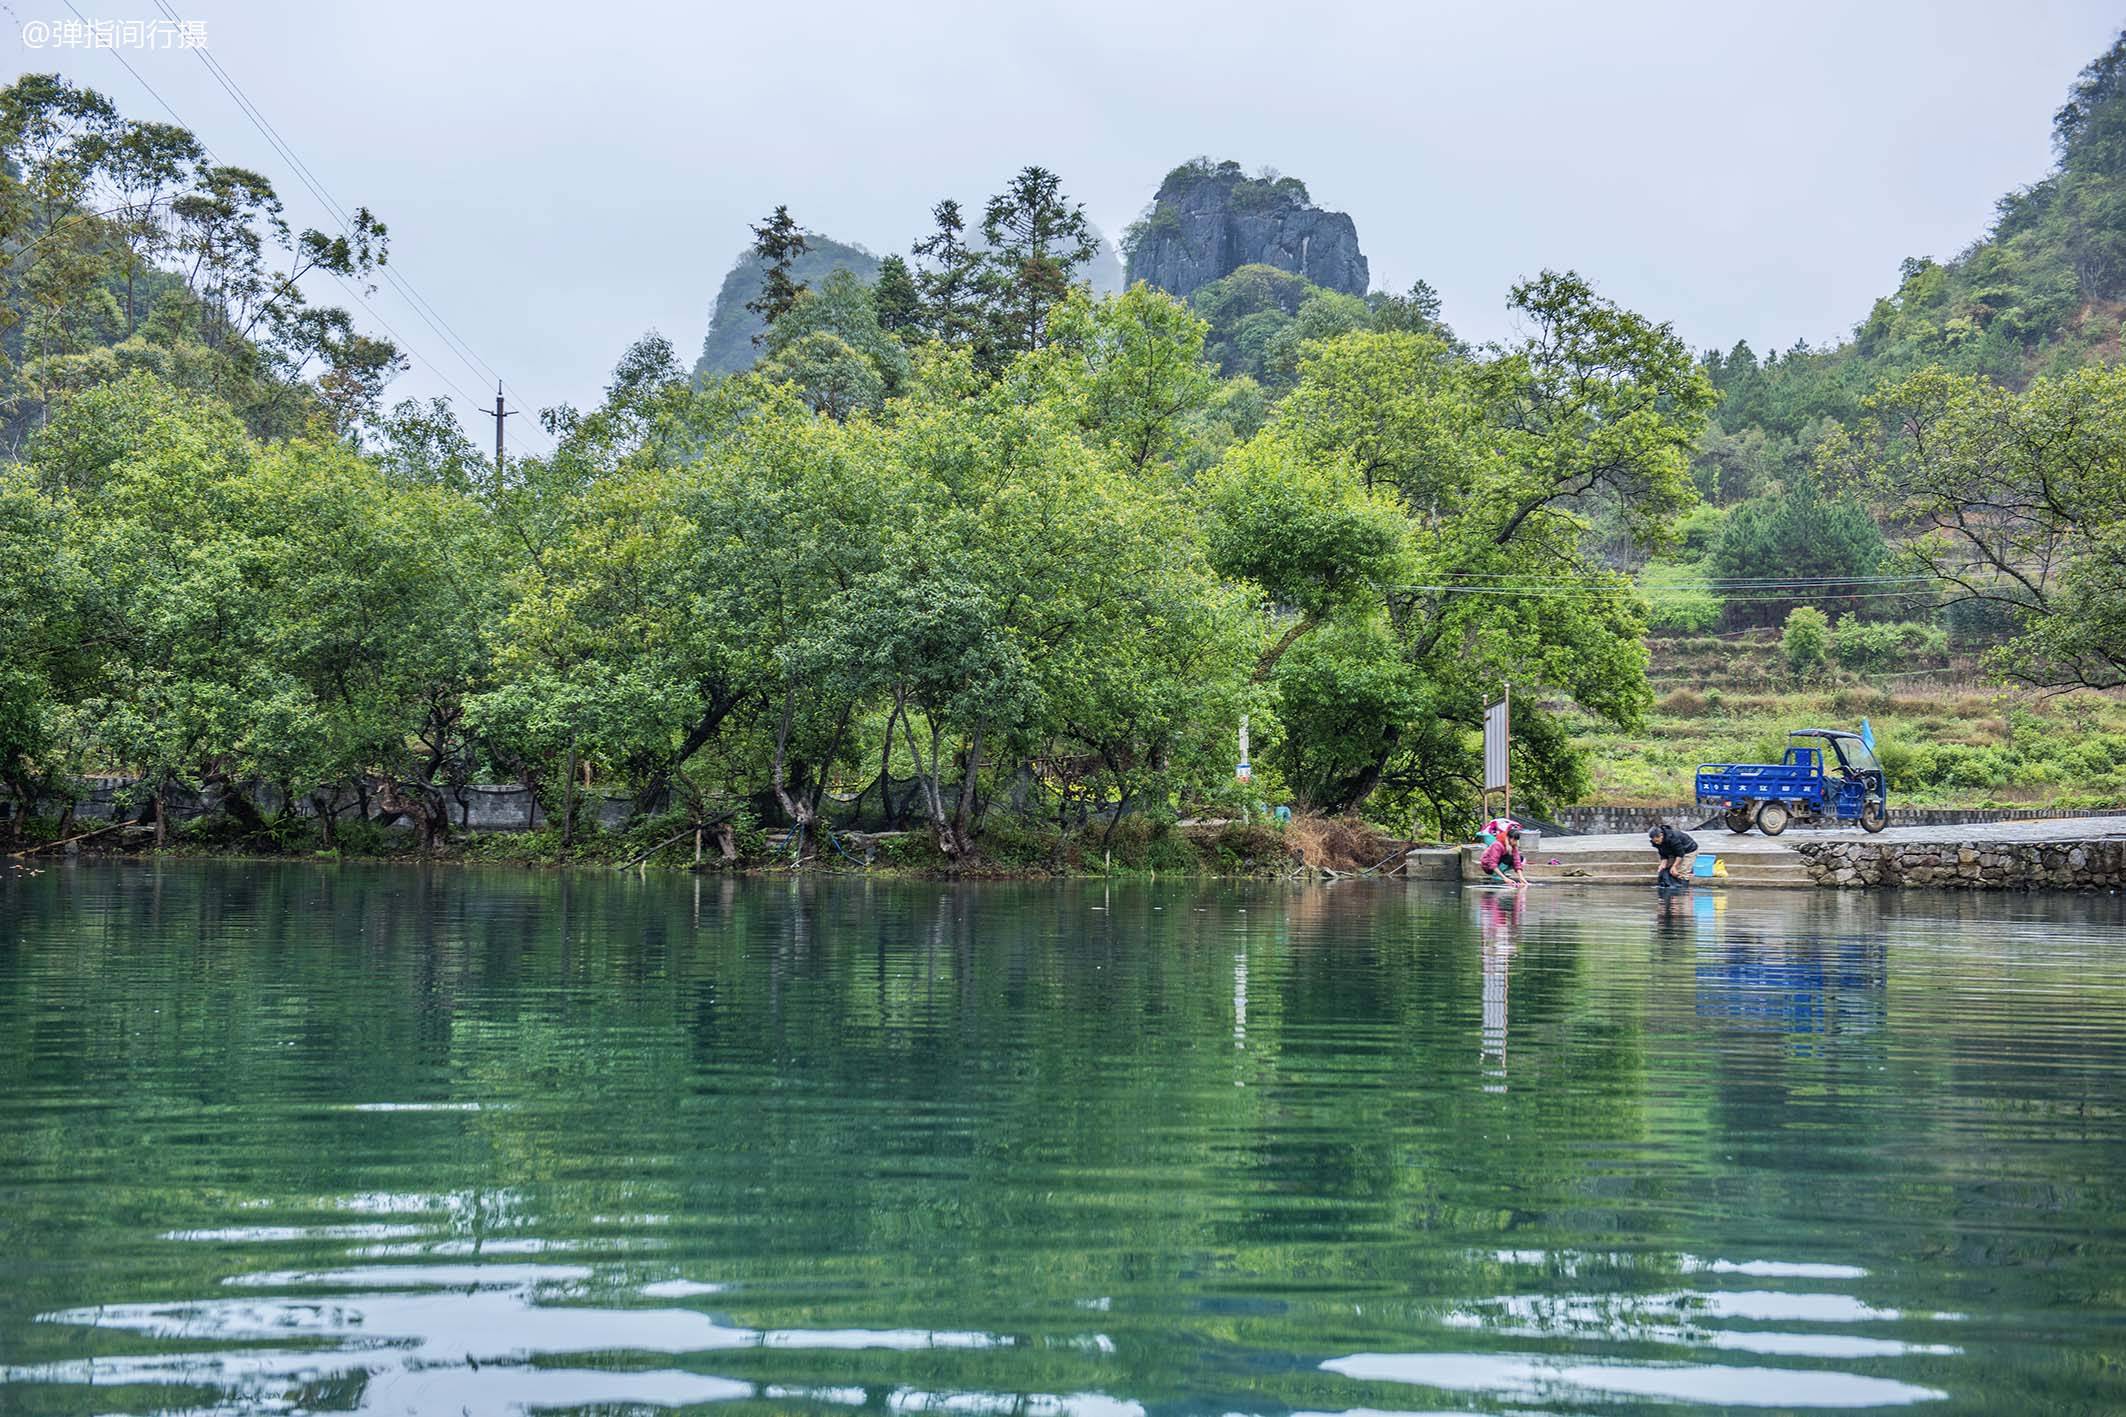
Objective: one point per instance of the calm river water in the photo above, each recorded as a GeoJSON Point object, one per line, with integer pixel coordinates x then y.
{"type": "Point", "coordinates": [383, 1140]}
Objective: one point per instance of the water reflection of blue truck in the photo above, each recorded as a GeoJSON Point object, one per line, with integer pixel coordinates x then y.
{"type": "Point", "coordinates": [1802, 786]}
{"type": "Point", "coordinates": [1800, 986]}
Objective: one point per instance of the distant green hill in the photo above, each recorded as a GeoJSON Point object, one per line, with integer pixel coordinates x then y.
{"type": "Point", "coordinates": [729, 346]}
{"type": "Point", "coordinates": [2042, 292]}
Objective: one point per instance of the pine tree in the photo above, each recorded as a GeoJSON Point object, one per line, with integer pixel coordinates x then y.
{"type": "Point", "coordinates": [777, 242]}
{"type": "Point", "coordinates": [1037, 241]}
{"type": "Point", "coordinates": [898, 302]}
{"type": "Point", "coordinates": [952, 305]}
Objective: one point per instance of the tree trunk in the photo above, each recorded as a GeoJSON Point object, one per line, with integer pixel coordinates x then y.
{"type": "Point", "coordinates": [1270, 656]}
{"type": "Point", "coordinates": [926, 776]}
{"type": "Point", "coordinates": [963, 813]}
{"type": "Point", "coordinates": [568, 798]}
{"type": "Point", "coordinates": [238, 804]}
{"type": "Point", "coordinates": [162, 816]}
{"type": "Point", "coordinates": [779, 778]}
{"type": "Point", "coordinates": [885, 770]}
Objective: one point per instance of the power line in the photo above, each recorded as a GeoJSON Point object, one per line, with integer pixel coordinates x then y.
{"type": "Point", "coordinates": [1777, 590]}
{"type": "Point", "coordinates": [333, 210]}
{"type": "Point", "coordinates": [1751, 595]}
{"type": "Point", "coordinates": [1580, 578]}
{"type": "Point", "coordinates": [178, 118]}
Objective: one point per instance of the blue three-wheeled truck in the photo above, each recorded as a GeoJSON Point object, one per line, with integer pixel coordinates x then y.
{"type": "Point", "coordinates": [1826, 775]}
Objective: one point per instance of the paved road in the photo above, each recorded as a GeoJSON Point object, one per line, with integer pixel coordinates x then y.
{"type": "Point", "coordinates": [1728, 843]}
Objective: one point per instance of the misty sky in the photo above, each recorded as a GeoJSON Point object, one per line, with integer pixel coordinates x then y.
{"type": "Point", "coordinates": [560, 178]}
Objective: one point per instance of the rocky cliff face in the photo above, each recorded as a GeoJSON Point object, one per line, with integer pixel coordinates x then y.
{"type": "Point", "coordinates": [1209, 220]}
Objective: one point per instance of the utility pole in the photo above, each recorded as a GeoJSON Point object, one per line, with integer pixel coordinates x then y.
{"type": "Point", "coordinates": [498, 415]}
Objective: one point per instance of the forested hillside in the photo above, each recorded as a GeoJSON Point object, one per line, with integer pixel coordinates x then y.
{"type": "Point", "coordinates": [961, 547]}
{"type": "Point", "coordinates": [732, 342]}
{"type": "Point", "coordinates": [2042, 293]}
{"type": "Point", "coordinates": [129, 249]}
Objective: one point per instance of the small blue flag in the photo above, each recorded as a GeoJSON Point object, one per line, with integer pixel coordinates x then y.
{"type": "Point", "coordinates": [1867, 734]}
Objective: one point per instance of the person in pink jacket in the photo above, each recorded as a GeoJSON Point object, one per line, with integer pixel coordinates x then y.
{"type": "Point", "coordinates": [1502, 859]}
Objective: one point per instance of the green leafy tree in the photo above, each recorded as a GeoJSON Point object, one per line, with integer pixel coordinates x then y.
{"type": "Point", "coordinates": [1131, 366]}
{"type": "Point", "coordinates": [1829, 544]}
{"type": "Point", "coordinates": [151, 485]}
{"type": "Point", "coordinates": [1486, 471]}
{"type": "Point", "coordinates": [831, 346]}
{"type": "Point", "coordinates": [2016, 505]}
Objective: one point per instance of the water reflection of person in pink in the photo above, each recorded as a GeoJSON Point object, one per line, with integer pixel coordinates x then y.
{"type": "Point", "coordinates": [1498, 925]}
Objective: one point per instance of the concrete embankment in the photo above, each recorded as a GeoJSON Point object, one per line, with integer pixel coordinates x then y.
{"type": "Point", "coordinates": [2076, 853]}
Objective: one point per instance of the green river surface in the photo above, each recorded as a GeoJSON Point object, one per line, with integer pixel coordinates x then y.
{"type": "Point", "coordinates": [378, 1139]}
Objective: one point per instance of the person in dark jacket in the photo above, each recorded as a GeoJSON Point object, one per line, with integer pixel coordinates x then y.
{"type": "Point", "coordinates": [1674, 848]}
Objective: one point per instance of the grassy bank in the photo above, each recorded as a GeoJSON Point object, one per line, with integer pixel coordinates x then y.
{"type": "Point", "coordinates": [1946, 736]}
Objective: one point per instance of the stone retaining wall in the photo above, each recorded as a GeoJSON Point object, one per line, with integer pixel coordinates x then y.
{"type": "Point", "coordinates": [1594, 821]}
{"type": "Point", "coordinates": [1968, 865]}
{"type": "Point", "coordinates": [476, 807]}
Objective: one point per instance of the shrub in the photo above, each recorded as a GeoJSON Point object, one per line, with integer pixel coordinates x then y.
{"type": "Point", "coordinates": [1679, 599]}
{"type": "Point", "coordinates": [1974, 767]}
{"type": "Point", "coordinates": [1864, 645]}
{"type": "Point", "coordinates": [1806, 640]}
{"type": "Point", "coordinates": [1683, 703]}
{"type": "Point", "coordinates": [1876, 645]}
{"type": "Point", "coordinates": [1142, 843]}
{"type": "Point", "coordinates": [1900, 763]}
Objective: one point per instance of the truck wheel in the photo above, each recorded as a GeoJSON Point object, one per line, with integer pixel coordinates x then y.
{"type": "Point", "coordinates": [1772, 818]}
{"type": "Point", "coordinates": [1739, 819]}
{"type": "Point", "coordinates": [1873, 816]}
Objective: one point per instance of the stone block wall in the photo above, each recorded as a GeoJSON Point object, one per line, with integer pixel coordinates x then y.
{"type": "Point", "coordinates": [1595, 821]}
{"type": "Point", "coordinates": [1968, 865]}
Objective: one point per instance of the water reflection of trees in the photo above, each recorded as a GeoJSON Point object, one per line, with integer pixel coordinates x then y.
{"type": "Point", "coordinates": [887, 1100]}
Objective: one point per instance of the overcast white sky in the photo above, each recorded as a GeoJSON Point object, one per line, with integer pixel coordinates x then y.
{"type": "Point", "coordinates": [560, 178]}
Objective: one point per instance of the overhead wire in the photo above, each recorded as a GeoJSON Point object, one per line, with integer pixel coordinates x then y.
{"type": "Point", "coordinates": [1821, 591]}
{"type": "Point", "coordinates": [396, 278]}
{"type": "Point", "coordinates": [333, 209]}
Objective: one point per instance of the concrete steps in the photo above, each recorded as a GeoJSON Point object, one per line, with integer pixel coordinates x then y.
{"type": "Point", "coordinates": [1757, 868]}
{"type": "Point", "coordinates": [1770, 878]}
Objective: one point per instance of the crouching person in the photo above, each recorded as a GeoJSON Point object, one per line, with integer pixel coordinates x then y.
{"type": "Point", "coordinates": [1502, 861]}
{"type": "Point", "coordinates": [1674, 850]}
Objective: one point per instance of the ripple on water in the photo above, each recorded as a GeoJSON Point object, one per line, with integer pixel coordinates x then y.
{"type": "Point", "coordinates": [1538, 1377]}
{"type": "Point", "coordinates": [389, 1142]}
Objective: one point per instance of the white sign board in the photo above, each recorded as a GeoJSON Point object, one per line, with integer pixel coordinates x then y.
{"type": "Point", "coordinates": [1495, 747]}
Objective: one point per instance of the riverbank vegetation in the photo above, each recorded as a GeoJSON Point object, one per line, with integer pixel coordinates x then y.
{"type": "Point", "coordinates": [1012, 557]}
{"type": "Point", "coordinates": [977, 561]}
